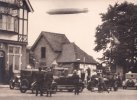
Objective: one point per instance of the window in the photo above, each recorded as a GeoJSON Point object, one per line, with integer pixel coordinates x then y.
{"type": "Point", "coordinates": [21, 26]}
{"type": "Point", "coordinates": [25, 14]}
{"type": "Point", "coordinates": [0, 21]}
{"type": "Point", "coordinates": [16, 24]}
{"type": "Point", "coordinates": [43, 52]}
{"type": "Point", "coordinates": [14, 57]}
{"type": "Point", "coordinates": [8, 23]}
{"type": "Point", "coordinates": [9, 19]}
{"type": "Point", "coordinates": [25, 27]}
{"type": "Point", "coordinates": [10, 1]}
{"type": "Point", "coordinates": [21, 13]}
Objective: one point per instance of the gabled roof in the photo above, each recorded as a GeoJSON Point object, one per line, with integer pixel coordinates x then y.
{"type": "Point", "coordinates": [55, 40]}
{"type": "Point", "coordinates": [71, 53]}
{"type": "Point", "coordinates": [29, 5]}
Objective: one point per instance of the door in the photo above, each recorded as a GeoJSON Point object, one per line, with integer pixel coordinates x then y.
{"type": "Point", "coordinates": [1, 66]}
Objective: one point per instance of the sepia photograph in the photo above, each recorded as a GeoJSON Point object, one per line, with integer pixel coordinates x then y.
{"type": "Point", "coordinates": [68, 49]}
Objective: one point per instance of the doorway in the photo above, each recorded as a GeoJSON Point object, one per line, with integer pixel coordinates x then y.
{"type": "Point", "coordinates": [1, 66]}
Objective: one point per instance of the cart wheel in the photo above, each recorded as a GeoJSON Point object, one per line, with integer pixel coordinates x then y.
{"type": "Point", "coordinates": [24, 85]}
{"type": "Point", "coordinates": [11, 85]}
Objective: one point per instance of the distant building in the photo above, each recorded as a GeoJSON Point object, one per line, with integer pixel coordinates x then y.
{"type": "Point", "coordinates": [13, 37]}
{"type": "Point", "coordinates": [54, 49]}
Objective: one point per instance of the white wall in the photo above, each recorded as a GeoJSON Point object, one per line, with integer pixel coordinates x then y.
{"type": "Point", "coordinates": [86, 66]}
{"type": "Point", "coordinates": [9, 37]}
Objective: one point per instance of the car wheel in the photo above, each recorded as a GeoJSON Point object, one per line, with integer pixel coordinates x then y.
{"type": "Point", "coordinates": [24, 86]}
{"type": "Point", "coordinates": [11, 85]}
{"type": "Point", "coordinates": [70, 90]}
{"type": "Point", "coordinates": [60, 90]}
{"type": "Point", "coordinates": [81, 89]}
{"type": "Point", "coordinates": [54, 89]}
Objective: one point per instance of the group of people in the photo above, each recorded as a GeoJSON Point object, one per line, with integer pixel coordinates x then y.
{"type": "Point", "coordinates": [41, 78]}
{"type": "Point", "coordinates": [77, 77]}
{"type": "Point", "coordinates": [104, 82]}
{"type": "Point", "coordinates": [101, 84]}
{"type": "Point", "coordinates": [80, 75]}
{"type": "Point", "coordinates": [84, 74]}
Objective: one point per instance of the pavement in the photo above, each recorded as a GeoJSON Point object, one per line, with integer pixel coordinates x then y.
{"type": "Point", "coordinates": [4, 86]}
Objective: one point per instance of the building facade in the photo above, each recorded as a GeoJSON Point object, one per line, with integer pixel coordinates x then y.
{"type": "Point", "coordinates": [13, 37]}
{"type": "Point", "coordinates": [55, 50]}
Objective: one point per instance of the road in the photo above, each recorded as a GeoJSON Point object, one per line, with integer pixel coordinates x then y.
{"type": "Point", "coordinates": [7, 94]}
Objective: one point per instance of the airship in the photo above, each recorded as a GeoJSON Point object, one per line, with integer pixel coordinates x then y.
{"type": "Point", "coordinates": [67, 11]}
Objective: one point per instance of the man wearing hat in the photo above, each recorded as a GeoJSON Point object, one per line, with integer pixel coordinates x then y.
{"type": "Point", "coordinates": [75, 77]}
{"type": "Point", "coordinates": [39, 82]}
{"type": "Point", "coordinates": [49, 79]}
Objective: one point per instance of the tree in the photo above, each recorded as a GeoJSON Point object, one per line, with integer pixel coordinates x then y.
{"type": "Point", "coordinates": [120, 21]}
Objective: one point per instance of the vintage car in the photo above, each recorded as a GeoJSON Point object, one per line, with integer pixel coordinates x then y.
{"type": "Point", "coordinates": [109, 82]}
{"type": "Point", "coordinates": [28, 81]}
{"type": "Point", "coordinates": [130, 80]}
{"type": "Point", "coordinates": [65, 81]}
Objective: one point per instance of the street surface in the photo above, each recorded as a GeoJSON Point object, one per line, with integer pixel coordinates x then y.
{"type": "Point", "coordinates": [131, 94]}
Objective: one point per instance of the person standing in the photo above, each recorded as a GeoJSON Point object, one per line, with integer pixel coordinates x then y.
{"type": "Point", "coordinates": [102, 85]}
{"type": "Point", "coordinates": [48, 80]}
{"type": "Point", "coordinates": [88, 71]}
{"type": "Point", "coordinates": [39, 82]}
{"type": "Point", "coordinates": [76, 82]}
{"type": "Point", "coordinates": [11, 74]}
{"type": "Point", "coordinates": [82, 75]}
{"type": "Point", "coordinates": [88, 74]}
{"type": "Point", "coordinates": [119, 79]}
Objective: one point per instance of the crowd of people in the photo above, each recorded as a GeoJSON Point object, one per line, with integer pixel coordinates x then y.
{"type": "Point", "coordinates": [101, 81]}
{"type": "Point", "coordinates": [41, 80]}
{"type": "Point", "coordinates": [78, 75]}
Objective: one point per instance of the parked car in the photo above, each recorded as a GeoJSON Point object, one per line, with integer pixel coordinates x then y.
{"type": "Point", "coordinates": [28, 81]}
{"type": "Point", "coordinates": [130, 80]}
{"type": "Point", "coordinates": [109, 81]}
{"type": "Point", "coordinates": [67, 83]}
{"type": "Point", "coordinates": [64, 80]}
{"type": "Point", "coordinates": [92, 83]}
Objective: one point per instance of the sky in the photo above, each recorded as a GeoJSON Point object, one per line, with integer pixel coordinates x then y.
{"type": "Point", "coordinates": [78, 28]}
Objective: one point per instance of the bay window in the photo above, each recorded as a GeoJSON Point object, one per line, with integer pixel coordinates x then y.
{"type": "Point", "coordinates": [8, 23]}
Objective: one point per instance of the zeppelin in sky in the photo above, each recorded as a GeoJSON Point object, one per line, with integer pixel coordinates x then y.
{"type": "Point", "coordinates": [67, 11]}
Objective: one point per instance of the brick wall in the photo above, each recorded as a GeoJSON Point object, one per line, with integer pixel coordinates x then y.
{"type": "Point", "coordinates": [50, 54]}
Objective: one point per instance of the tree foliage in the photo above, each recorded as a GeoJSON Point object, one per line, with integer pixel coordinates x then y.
{"type": "Point", "coordinates": [121, 21]}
